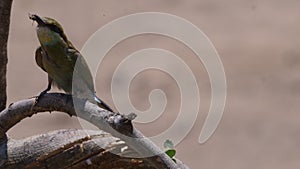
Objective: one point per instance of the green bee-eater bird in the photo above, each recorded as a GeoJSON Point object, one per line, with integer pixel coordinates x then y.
{"type": "Point", "coordinates": [57, 56]}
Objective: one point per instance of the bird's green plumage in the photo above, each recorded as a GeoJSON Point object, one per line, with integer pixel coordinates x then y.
{"type": "Point", "coordinates": [64, 64]}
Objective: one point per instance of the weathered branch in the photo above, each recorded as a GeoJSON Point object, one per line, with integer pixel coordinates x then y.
{"type": "Point", "coordinates": [115, 124]}
{"type": "Point", "coordinates": [5, 6]}
{"type": "Point", "coordinates": [71, 148]}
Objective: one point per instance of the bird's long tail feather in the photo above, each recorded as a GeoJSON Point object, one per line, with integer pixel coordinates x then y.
{"type": "Point", "coordinates": [101, 104]}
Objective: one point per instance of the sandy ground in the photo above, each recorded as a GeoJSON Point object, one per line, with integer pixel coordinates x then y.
{"type": "Point", "coordinates": [258, 44]}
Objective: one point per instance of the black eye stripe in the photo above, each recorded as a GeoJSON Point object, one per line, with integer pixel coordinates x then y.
{"type": "Point", "coordinates": [57, 30]}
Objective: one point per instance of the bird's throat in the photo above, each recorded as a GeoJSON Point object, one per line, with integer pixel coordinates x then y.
{"type": "Point", "coordinates": [48, 38]}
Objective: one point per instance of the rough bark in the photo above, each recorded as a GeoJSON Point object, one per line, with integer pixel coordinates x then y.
{"type": "Point", "coordinates": [5, 8]}
{"type": "Point", "coordinates": [113, 123]}
{"type": "Point", "coordinates": [71, 149]}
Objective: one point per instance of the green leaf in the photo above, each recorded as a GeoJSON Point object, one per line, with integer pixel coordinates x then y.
{"type": "Point", "coordinates": [171, 153]}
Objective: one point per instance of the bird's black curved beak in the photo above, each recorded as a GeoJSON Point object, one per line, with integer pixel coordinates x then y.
{"type": "Point", "coordinates": [36, 18]}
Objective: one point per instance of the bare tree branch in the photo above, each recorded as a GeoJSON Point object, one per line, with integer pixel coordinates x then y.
{"type": "Point", "coordinates": [71, 149]}
{"type": "Point", "coordinates": [114, 123]}
{"type": "Point", "coordinates": [5, 7]}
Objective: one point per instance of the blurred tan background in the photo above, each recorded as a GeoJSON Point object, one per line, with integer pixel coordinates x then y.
{"type": "Point", "coordinates": [258, 42]}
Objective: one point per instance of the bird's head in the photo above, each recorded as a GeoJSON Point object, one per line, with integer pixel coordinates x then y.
{"type": "Point", "coordinates": [48, 29]}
